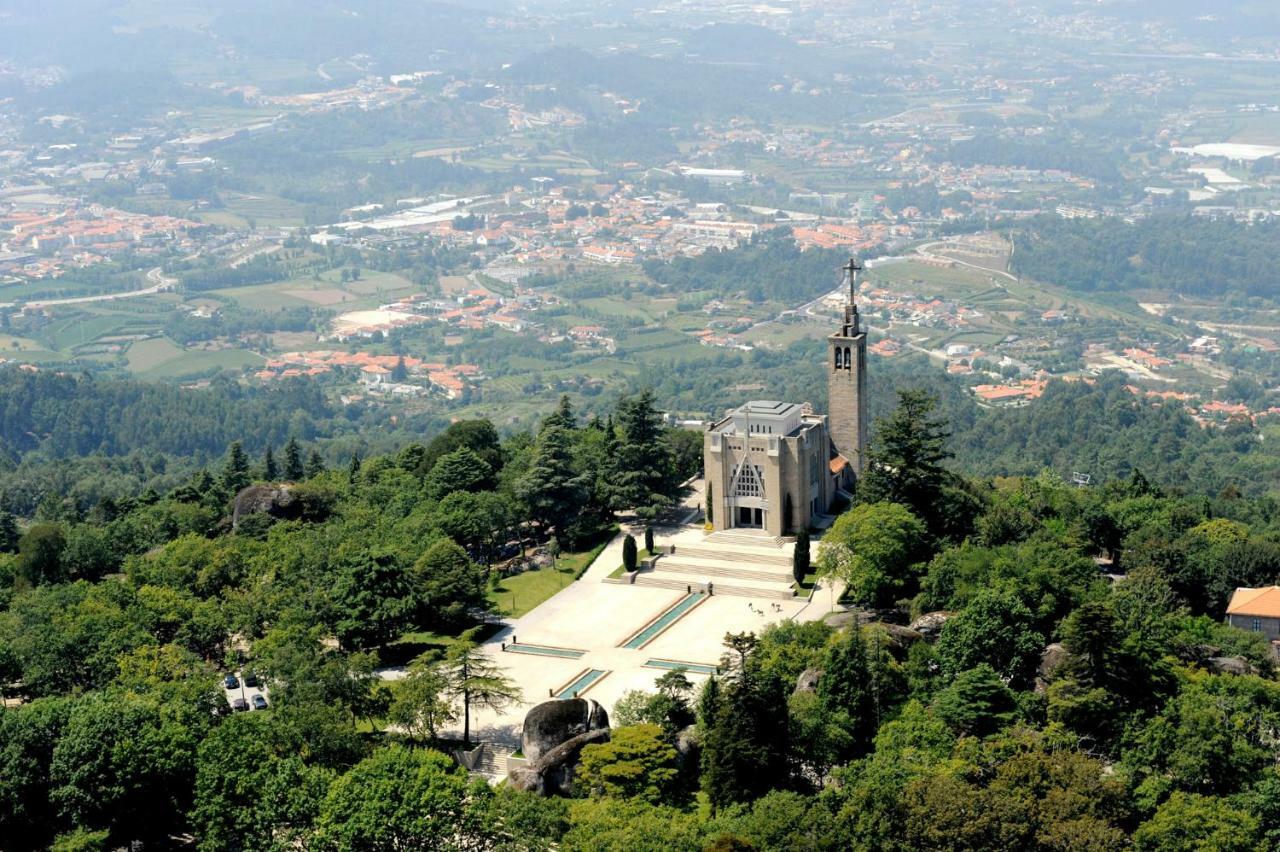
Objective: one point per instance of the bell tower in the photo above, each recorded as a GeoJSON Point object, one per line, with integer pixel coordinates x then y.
{"type": "Point", "coordinates": [847, 381]}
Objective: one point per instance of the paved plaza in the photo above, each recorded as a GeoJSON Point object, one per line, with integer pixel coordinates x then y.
{"type": "Point", "coordinates": [577, 640]}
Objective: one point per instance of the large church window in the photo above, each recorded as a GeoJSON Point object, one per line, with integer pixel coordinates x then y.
{"type": "Point", "coordinates": [749, 481]}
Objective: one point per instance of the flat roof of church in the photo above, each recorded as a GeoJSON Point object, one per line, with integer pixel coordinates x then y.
{"type": "Point", "coordinates": [769, 407]}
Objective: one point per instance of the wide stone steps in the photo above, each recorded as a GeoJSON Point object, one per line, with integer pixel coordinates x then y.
{"type": "Point", "coordinates": [774, 592]}
{"type": "Point", "coordinates": [699, 567]}
{"type": "Point", "coordinates": [756, 592]}
{"type": "Point", "coordinates": [648, 579]}
{"type": "Point", "coordinates": [745, 539]}
{"type": "Point", "coordinates": [778, 560]}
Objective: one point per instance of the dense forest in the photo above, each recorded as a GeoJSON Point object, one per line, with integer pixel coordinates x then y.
{"type": "Point", "coordinates": [1061, 154]}
{"type": "Point", "coordinates": [63, 415]}
{"type": "Point", "coordinates": [1037, 703]}
{"type": "Point", "coordinates": [772, 267]}
{"type": "Point", "coordinates": [1181, 254]}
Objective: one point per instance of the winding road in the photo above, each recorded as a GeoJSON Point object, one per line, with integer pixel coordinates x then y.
{"type": "Point", "coordinates": [161, 283]}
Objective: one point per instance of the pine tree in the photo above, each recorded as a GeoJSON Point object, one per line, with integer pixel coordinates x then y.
{"type": "Point", "coordinates": [629, 554]}
{"type": "Point", "coordinates": [551, 487]}
{"type": "Point", "coordinates": [460, 470]}
{"type": "Point", "coordinates": [235, 472]}
{"type": "Point", "coordinates": [472, 676]}
{"type": "Point", "coordinates": [270, 470]}
{"type": "Point", "coordinates": [315, 465]}
{"type": "Point", "coordinates": [563, 415]}
{"type": "Point", "coordinates": [745, 734]}
{"type": "Point", "coordinates": [642, 472]}
{"type": "Point", "coordinates": [845, 690]}
{"type": "Point", "coordinates": [293, 469]}
{"type": "Point", "coordinates": [905, 465]}
{"type": "Point", "coordinates": [800, 557]}
{"type": "Point", "coordinates": [9, 534]}
{"type": "Point", "coordinates": [399, 372]}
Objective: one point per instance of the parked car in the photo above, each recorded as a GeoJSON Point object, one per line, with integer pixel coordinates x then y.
{"type": "Point", "coordinates": [231, 682]}
{"type": "Point", "coordinates": [251, 679]}
{"type": "Point", "coordinates": [259, 703]}
{"type": "Point", "coordinates": [239, 705]}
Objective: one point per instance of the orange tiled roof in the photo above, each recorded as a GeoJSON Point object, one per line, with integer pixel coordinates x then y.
{"type": "Point", "coordinates": [1261, 602]}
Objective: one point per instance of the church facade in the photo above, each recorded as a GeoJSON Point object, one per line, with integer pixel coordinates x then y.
{"type": "Point", "coordinates": [772, 465]}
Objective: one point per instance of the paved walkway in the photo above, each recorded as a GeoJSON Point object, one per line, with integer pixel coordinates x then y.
{"type": "Point", "coordinates": [598, 617]}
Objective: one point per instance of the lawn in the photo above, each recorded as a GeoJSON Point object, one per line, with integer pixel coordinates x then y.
{"type": "Point", "coordinates": [521, 593]}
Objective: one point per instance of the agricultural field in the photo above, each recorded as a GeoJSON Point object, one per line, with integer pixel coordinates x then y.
{"type": "Point", "coordinates": [264, 210]}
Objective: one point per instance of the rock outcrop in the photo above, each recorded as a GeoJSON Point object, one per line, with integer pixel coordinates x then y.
{"type": "Point", "coordinates": [900, 638]}
{"type": "Point", "coordinates": [555, 732]}
{"type": "Point", "coordinates": [1230, 665]}
{"type": "Point", "coordinates": [930, 624]}
{"type": "Point", "coordinates": [808, 681]}
{"type": "Point", "coordinates": [278, 501]}
{"type": "Point", "coordinates": [1051, 660]}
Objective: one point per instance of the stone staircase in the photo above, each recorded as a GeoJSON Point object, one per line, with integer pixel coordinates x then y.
{"type": "Point", "coordinates": [707, 567]}
{"type": "Point", "coordinates": [491, 763]}
{"type": "Point", "coordinates": [745, 538]}
{"type": "Point", "coordinates": [672, 582]}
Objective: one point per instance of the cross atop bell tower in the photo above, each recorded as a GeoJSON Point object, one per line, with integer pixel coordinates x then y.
{"type": "Point", "coordinates": [847, 383]}
{"type": "Point", "coordinates": [850, 326]}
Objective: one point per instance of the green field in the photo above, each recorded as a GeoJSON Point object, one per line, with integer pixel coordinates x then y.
{"type": "Point", "coordinates": [146, 355]}
{"type": "Point", "coordinates": [265, 209]}
{"type": "Point", "coordinates": [198, 362]}
{"type": "Point", "coordinates": [372, 289]}
{"type": "Point", "coordinates": [161, 358]}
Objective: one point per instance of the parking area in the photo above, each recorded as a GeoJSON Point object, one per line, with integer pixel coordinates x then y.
{"type": "Point", "coordinates": [255, 697]}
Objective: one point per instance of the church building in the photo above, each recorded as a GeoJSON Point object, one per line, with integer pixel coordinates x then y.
{"type": "Point", "coordinates": [773, 466]}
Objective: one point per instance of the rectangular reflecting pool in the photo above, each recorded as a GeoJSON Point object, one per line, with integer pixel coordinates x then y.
{"type": "Point", "coordinates": [662, 622]}
{"type": "Point", "coordinates": [671, 665]}
{"type": "Point", "coordinates": [543, 650]}
{"type": "Point", "coordinates": [581, 684]}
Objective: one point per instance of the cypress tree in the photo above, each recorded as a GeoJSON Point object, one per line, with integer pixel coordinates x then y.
{"type": "Point", "coordinates": [711, 513]}
{"type": "Point", "coordinates": [800, 557]}
{"type": "Point", "coordinates": [270, 470]}
{"type": "Point", "coordinates": [787, 514]}
{"type": "Point", "coordinates": [629, 553]}
{"type": "Point", "coordinates": [648, 539]}
{"type": "Point", "coordinates": [353, 472]}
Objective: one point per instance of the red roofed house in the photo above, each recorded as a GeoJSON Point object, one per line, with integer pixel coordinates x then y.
{"type": "Point", "coordinates": [1256, 610]}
